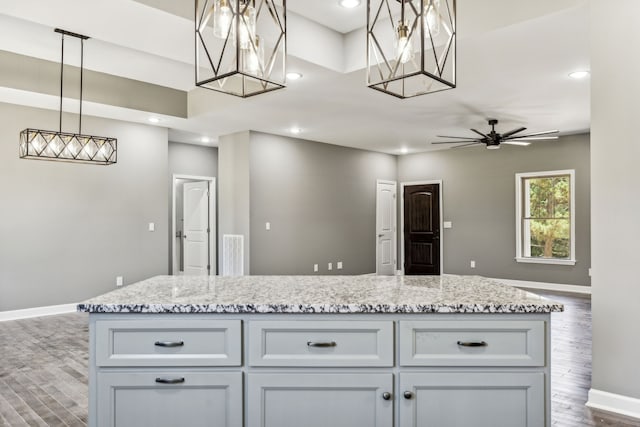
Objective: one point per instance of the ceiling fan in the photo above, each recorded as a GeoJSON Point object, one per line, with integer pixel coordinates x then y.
{"type": "Point", "coordinates": [493, 139]}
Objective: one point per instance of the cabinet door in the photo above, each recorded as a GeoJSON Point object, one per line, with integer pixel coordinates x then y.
{"type": "Point", "coordinates": [169, 398]}
{"type": "Point", "coordinates": [463, 399]}
{"type": "Point", "coordinates": [320, 400]}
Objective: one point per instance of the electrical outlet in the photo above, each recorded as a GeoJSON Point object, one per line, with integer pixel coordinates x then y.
{"type": "Point", "coordinates": [472, 264]}
{"type": "Point", "coordinates": [339, 266]}
{"type": "Point", "coordinates": [589, 272]}
{"type": "Point", "coordinates": [152, 226]}
{"type": "Point", "coordinates": [315, 268]}
{"type": "Point", "coordinates": [267, 226]}
{"type": "Point", "coordinates": [330, 266]}
{"type": "Point", "coordinates": [119, 281]}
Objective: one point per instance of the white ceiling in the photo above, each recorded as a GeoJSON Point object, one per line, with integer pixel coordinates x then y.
{"type": "Point", "coordinates": [513, 60]}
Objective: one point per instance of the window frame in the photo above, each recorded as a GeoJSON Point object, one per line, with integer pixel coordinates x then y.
{"type": "Point", "coordinates": [520, 211]}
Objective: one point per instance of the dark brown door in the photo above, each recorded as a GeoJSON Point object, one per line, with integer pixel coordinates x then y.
{"type": "Point", "coordinates": [422, 229]}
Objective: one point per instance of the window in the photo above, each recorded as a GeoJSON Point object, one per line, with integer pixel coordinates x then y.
{"type": "Point", "coordinates": [545, 227]}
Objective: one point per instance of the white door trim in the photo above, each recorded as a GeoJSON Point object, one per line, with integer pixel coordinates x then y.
{"type": "Point", "coordinates": [401, 198]}
{"type": "Point", "coordinates": [395, 232]}
{"type": "Point", "coordinates": [212, 219]}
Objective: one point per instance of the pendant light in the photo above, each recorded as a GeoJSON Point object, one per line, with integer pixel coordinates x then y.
{"type": "Point", "coordinates": [232, 53]}
{"type": "Point", "coordinates": [69, 147]}
{"type": "Point", "coordinates": [411, 46]}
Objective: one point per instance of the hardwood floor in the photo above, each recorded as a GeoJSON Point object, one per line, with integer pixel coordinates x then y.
{"type": "Point", "coordinates": [43, 371]}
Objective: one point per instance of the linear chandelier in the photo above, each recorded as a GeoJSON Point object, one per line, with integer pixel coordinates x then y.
{"type": "Point", "coordinates": [241, 45]}
{"type": "Point", "coordinates": [69, 147]}
{"type": "Point", "coordinates": [411, 46]}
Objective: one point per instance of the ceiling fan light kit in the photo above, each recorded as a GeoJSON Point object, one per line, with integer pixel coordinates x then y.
{"type": "Point", "coordinates": [493, 139]}
{"type": "Point", "coordinates": [411, 46]}
{"type": "Point", "coordinates": [64, 146]}
{"type": "Point", "coordinates": [233, 54]}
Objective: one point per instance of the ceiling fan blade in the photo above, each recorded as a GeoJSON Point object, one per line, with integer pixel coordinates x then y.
{"type": "Point", "coordinates": [456, 142]}
{"type": "Point", "coordinates": [518, 142]}
{"type": "Point", "coordinates": [535, 138]}
{"type": "Point", "coordinates": [479, 133]}
{"type": "Point", "coordinates": [546, 132]}
{"type": "Point", "coordinates": [512, 132]}
{"type": "Point", "coordinates": [467, 145]}
{"type": "Point", "coordinates": [457, 137]}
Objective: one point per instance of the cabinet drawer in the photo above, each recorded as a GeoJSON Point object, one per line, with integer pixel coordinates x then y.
{"type": "Point", "coordinates": [321, 343]}
{"type": "Point", "coordinates": [472, 343]}
{"type": "Point", "coordinates": [169, 398]}
{"type": "Point", "coordinates": [168, 343]}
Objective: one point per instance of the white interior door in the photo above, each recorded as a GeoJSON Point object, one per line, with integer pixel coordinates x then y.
{"type": "Point", "coordinates": [196, 223]}
{"type": "Point", "coordinates": [386, 228]}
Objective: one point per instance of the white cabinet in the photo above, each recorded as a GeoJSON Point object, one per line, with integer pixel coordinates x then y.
{"type": "Point", "coordinates": [319, 370]}
{"type": "Point", "coordinates": [320, 400]}
{"type": "Point", "coordinates": [169, 398]}
{"type": "Point", "coordinates": [478, 399]}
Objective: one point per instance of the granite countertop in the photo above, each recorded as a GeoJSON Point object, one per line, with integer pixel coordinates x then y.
{"type": "Point", "coordinates": [319, 294]}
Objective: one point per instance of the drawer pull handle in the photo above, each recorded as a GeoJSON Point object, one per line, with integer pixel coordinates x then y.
{"type": "Point", "coordinates": [472, 343]}
{"type": "Point", "coordinates": [170, 380]}
{"type": "Point", "coordinates": [322, 344]}
{"type": "Point", "coordinates": [169, 343]}
{"type": "Point", "coordinates": [386, 395]}
{"type": "Point", "coordinates": [407, 395]}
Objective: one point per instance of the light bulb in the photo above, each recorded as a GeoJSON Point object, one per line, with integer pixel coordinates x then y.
{"type": "Point", "coordinates": [253, 57]}
{"type": "Point", "coordinates": [246, 24]}
{"type": "Point", "coordinates": [404, 45]}
{"type": "Point", "coordinates": [432, 18]}
{"type": "Point", "coordinates": [222, 18]}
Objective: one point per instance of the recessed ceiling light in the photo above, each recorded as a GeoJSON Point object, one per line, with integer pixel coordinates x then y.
{"type": "Point", "coordinates": [154, 119]}
{"type": "Point", "coordinates": [205, 139]}
{"type": "Point", "coordinates": [579, 74]}
{"type": "Point", "coordinates": [295, 130]}
{"type": "Point", "coordinates": [349, 4]}
{"type": "Point", "coordinates": [293, 76]}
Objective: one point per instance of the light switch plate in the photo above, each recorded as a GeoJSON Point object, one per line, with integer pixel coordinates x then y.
{"type": "Point", "coordinates": [339, 265]}
{"type": "Point", "coordinates": [267, 226]}
{"type": "Point", "coordinates": [315, 268]}
{"type": "Point", "coordinates": [330, 266]}
{"type": "Point", "coordinates": [152, 226]}
{"type": "Point", "coordinates": [447, 224]}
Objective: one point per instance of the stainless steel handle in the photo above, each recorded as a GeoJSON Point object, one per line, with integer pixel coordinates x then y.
{"type": "Point", "coordinates": [407, 395]}
{"type": "Point", "coordinates": [386, 395]}
{"type": "Point", "coordinates": [472, 343]}
{"type": "Point", "coordinates": [322, 344]}
{"type": "Point", "coordinates": [170, 380]}
{"type": "Point", "coordinates": [380, 235]}
{"type": "Point", "coordinates": [169, 343]}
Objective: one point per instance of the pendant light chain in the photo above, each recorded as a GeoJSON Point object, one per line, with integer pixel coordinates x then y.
{"type": "Point", "coordinates": [61, 81]}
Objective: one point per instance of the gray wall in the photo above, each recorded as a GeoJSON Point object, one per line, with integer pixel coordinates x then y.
{"type": "Point", "coordinates": [67, 230]}
{"type": "Point", "coordinates": [615, 151]}
{"type": "Point", "coordinates": [187, 159]}
{"type": "Point", "coordinates": [479, 198]}
{"type": "Point", "coordinates": [321, 202]}
{"type": "Point", "coordinates": [233, 192]}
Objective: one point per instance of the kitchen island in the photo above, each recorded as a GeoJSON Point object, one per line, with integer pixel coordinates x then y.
{"type": "Point", "coordinates": [316, 351]}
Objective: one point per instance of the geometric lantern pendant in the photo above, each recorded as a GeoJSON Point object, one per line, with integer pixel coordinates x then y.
{"type": "Point", "coordinates": [47, 145]}
{"type": "Point", "coordinates": [411, 46]}
{"type": "Point", "coordinates": [69, 147]}
{"type": "Point", "coordinates": [241, 45]}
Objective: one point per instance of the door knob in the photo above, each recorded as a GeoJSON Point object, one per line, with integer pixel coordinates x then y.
{"type": "Point", "coordinates": [407, 395]}
{"type": "Point", "coordinates": [386, 395]}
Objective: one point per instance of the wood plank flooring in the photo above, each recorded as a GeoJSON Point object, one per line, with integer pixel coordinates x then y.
{"type": "Point", "coordinates": [43, 370]}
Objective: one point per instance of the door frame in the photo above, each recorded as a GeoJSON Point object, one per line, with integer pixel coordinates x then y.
{"type": "Point", "coordinates": [395, 226]}
{"type": "Point", "coordinates": [401, 198]}
{"type": "Point", "coordinates": [212, 220]}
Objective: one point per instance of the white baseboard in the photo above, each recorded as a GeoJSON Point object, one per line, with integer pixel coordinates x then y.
{"type": "Point", "coordinates": [37, 312]}
{"type": "Point", "coordinates": [616, 403]}
{"type": "Point", "coordinates": [559, 287]}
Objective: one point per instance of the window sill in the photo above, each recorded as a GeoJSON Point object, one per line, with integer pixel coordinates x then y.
{"type": "Point", "coordinates": [546, 261]}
